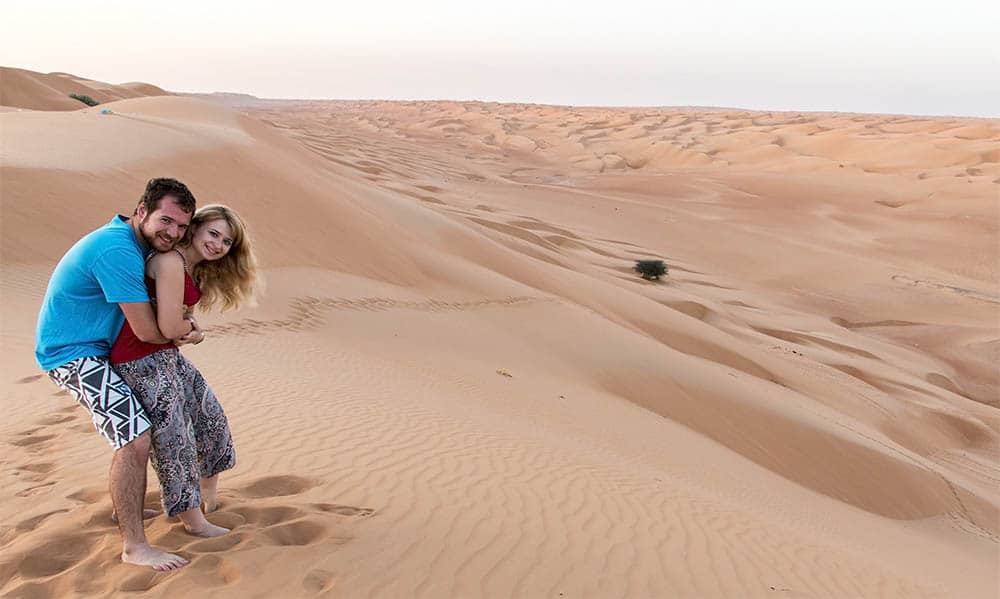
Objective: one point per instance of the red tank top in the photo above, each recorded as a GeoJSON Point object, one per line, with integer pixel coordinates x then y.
{"type": "Point", "coordinates": [128, 347]}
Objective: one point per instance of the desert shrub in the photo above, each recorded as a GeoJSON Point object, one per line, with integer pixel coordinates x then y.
{"type": "Point", "coordinates": [651, 270]}
{"type": "Point", "coordinates": [85, 99]}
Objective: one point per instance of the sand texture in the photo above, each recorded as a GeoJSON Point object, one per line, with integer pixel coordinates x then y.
{"type": "Point", "coordinates": [455, 385]}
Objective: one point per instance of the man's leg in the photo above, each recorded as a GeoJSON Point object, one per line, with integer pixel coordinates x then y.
{"type": "Point", "coordinates": [147, 513]}
{"type": "Point", "coordinates": [128, 489]}
{"type": "Point", "coordinates": [120, 419]}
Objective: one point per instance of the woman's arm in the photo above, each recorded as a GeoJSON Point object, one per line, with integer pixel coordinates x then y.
{"type": "Point", "coordinates": [168, 271]}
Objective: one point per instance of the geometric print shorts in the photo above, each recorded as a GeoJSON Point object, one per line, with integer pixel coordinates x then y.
{"type": "Point", "coordinates": [116, 412]}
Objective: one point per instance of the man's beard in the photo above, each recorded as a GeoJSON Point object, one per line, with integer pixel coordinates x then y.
{"type": "Point", "coordinates": [151, 239]}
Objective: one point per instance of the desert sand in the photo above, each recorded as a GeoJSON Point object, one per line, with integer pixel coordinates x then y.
{"type": "Point", "coordinates": [806, 406]}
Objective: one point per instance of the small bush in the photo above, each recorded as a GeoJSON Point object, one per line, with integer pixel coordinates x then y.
{"type": "Point", "coordinates": [85, 99]}
{"type": "Point", "coordinates": [651, 270]}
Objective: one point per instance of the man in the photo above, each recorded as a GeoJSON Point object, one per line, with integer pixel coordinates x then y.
{"type": "Point", "coordinates": [97, 285]}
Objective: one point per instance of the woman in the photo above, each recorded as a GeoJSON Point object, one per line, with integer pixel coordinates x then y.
{"type": "Point", "coordinates": [213, 267]}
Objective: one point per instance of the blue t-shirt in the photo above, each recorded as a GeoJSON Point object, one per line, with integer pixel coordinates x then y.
{"type": "Point", "coordinates": [80, 316]}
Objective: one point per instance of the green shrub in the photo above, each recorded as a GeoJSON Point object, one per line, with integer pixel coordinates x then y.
{"type": "Point", "coordinates": [651, 270]}
{"type": "Point", "coordinates": [85, 99]}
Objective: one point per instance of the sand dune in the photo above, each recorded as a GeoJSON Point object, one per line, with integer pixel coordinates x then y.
{"type": "Point", "coordinates": [20, 88]}
{"type": "Point", "coordinates": [805, 407]}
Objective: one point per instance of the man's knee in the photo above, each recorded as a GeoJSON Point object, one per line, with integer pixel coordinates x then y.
{"type": "Point", "coordinates": [138, 447]}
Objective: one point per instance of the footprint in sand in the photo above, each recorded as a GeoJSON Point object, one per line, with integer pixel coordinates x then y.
{"type": "Point", "coordinates": [227, 542]}
{"type": "Point", "coordinates": [33, 473]}
{"type": "Point", "coordinates": [277, 486]}
{"type": "Point", "coordinates": [253, 527]}
{"type": "Point", "coordinates": [344, 510]}
{"type": "Point", "coordinates": [30, 439]}
{"type": "Point", "coordinates": [57, 419]}
{"type": "Point", "coordinates": [33, 522]}
{"type": "Point", "coordinates": [35, 439]}
{"type": "Point", "coordinates": [8, 534]}
{"type": "Point", "coordinates": [205, 572]}
{"type": "Point", "coordinates": [301, 532]}
{"type": "Point", "coordinates": [35, 490]}
{"type": "Point", "coordinates": [212, 570]}
{"type": "Point", "coordinates": [41, 468]}
{"type": "Point", "coordinates": [142, 581]}
{"type": "Point", "coordinates": [56, 555]}
{"type": "Point", "coordinates": [89, 495]}
{"type": "Point", "coordinates": [259, 516]}
{"type": "Point", "coordinates": [283, 525]}
{"type": "Point", "coordinates": [318, 581]}
{"type": "Point", "coordinates": [28, 379]}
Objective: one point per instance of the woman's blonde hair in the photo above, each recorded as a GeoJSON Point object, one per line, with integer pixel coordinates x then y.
{"type": "Point", "coordinates": [230, 281]}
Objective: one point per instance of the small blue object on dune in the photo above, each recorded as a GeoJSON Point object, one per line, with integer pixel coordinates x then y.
{"type": "Point", "coordinates": [105, 111]}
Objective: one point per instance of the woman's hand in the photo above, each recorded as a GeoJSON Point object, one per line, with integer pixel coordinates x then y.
{"type": "Point", "coordinates": [195, 336]}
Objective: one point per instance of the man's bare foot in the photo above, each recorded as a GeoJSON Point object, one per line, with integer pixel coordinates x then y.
{"type": "Point", "coordinates": [145, 555]}
{"type": "Point", "coordinates": [206, 530]}
{"type": "Point", "coordinates": [146, 514]}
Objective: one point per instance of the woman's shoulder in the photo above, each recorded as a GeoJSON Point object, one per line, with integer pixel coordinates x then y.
{"type": "Point", "coordinates": [171, 261]}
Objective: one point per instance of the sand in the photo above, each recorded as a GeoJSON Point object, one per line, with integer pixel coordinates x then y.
{"type": "Point", "coordinates": [50, 91]}
{"type": "Point", "coordinates": [806, 406]}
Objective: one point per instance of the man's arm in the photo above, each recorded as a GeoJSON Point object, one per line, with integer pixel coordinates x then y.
{"type": "Point", "coordinates": [140, 317]}
{"type": "Point", "coordinates": [143, 322]}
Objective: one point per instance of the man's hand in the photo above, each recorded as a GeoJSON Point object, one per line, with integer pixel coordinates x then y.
{"type": "Point", "coordinates": [194, 337]}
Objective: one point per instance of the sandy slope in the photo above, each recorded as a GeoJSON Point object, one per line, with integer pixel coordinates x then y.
{"type": "Point", "coordinates": [806, 407]}
{"type": "Point", "coordinates": [20, 88]}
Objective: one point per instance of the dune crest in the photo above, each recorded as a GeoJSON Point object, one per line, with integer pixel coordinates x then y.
{"type": "Point", "coordinates": [50, 91]}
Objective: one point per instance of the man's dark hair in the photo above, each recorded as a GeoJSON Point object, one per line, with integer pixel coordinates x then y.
{"type": "Point", "coordinates": [157, 188]}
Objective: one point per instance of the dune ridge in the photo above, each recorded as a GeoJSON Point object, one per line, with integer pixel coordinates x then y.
{"type": "Point", "coordinates": [804, 407]}
{"type": "Point", "coordinates": [20, 88]}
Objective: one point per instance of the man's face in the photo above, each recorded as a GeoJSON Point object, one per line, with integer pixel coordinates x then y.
{"type": "Point", "coordinates": [163, 227]}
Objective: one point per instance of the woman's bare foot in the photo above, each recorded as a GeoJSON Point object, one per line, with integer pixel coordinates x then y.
{"type": "Point", "coordinates": [146, 555]}
{"type": "Point", "coordinates": [208, 530]}
{"type": "Point", "coordinates": [146, 514]}
{"type": "Point", "coordinates": [195, 523]}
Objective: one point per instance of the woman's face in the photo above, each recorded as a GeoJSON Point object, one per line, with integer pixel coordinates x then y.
{"type": "Point", "coordinates": [212, 239]}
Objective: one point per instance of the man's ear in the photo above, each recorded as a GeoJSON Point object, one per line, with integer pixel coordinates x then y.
{"type": "Point", "coordinates": [140, 211]}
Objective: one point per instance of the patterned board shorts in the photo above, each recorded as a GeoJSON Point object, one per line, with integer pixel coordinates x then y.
{"type": "Point", "coordinates": [114, 408]}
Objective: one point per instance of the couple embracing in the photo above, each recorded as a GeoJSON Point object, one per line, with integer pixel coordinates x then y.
{"type": "Point", "coordinates": [117, 308]}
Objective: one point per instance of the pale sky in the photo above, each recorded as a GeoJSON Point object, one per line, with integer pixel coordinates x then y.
{"type": "Point", "coordinates": [908, 57]}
